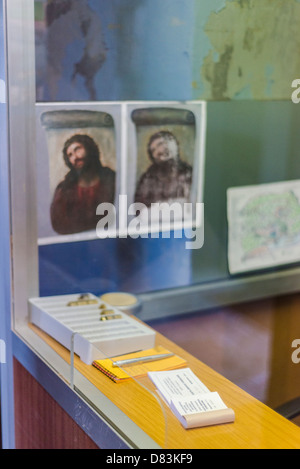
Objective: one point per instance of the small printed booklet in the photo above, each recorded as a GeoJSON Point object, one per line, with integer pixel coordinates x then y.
{"type": "Point", "coordinates": [190, 400]}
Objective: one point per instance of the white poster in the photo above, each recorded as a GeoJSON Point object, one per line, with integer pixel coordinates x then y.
{"type": "Point", "coordinates": [264, 226]}
{"type": "Point", "coordinates": [119, 169]}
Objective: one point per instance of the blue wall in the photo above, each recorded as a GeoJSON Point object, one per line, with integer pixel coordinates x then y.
{"type": "Point", "coordinates": [149, 52]}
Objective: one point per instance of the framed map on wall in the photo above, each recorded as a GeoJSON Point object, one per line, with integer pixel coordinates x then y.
{"type": "Point", "coordinates": [264, 226]}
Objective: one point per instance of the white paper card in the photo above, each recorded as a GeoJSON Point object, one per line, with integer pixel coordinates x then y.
{"type": "Point", "coordinates": [190, 400]}
{"type": "Point", "coordinates": [200, 403]}
{"type": "Point", "coordinates": [177, 383]}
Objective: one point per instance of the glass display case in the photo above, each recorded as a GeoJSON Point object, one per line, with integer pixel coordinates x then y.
{"type": "Point", "coordinates": [91, 77]}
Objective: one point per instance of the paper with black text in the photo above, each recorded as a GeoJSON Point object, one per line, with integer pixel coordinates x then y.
{"type": "Point", "coordinates": [177, 383]}
{"type": "Point", "coordinates": [190, 400]}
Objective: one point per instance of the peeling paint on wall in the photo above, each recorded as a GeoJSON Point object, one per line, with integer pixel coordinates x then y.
{"type": "Point", "coordinates": [253, 48]}
{"type": "Point", "coordinates": [168, 50]}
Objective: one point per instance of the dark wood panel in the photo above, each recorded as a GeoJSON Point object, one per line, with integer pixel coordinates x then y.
{"type": "Point", "coordinates": [40, 423]}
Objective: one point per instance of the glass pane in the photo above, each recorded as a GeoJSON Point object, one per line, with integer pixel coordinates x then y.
{"type": "Point", "coordinates": [117, 106]}
{"type": "Point", "coordinates": [101, 334]}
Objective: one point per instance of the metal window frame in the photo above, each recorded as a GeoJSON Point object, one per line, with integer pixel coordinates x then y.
{"type": "Point", "coordinates": [6, 369]}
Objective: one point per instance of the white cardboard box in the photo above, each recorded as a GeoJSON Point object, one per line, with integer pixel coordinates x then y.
{"type": "Point", "coordinates": [93, 339]}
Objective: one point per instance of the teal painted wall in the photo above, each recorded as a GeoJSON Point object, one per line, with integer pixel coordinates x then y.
{"type": "Point", "coordinates": [246, 49]}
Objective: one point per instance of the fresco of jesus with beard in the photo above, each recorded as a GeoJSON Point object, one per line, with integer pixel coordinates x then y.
{"type": "Point", "coordinates": [86, 185]}
{"type": "Point", "coordinates": [168, 178]}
